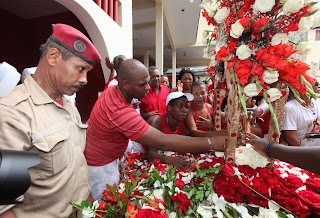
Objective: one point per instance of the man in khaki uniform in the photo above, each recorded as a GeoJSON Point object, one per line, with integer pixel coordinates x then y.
{"type": "Point", "coordinates": [37, 118]}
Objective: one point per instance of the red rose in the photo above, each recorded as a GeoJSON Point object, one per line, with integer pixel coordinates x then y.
{"type": "Point", "coordinates": [228, 169]}
{"type": "Point", "coordinates": [313, 184]}
{"type": "Point", "coordinates": [147, 213]}
{"type": "Point", "coordinates": [179, 183]}
{"type": "Point", "coordinates": [247, 170]}
{"type": "Point", "coordinates": [184, 202]}
{"type": "Point", "coordinates": [245, 22]}
{"type": "Point", "coordinates": [294, 204]}
{"type": "Point", "coordinates": [223, 52]}
{"type": "Point", "coordinates": [311, 199]}
{"type": "Point", "coordinates": [224, 189]}
{"type": "Point", "coordinates": [292, 182]}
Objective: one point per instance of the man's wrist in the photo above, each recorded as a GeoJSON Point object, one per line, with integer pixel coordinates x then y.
{"type": "Point", "coordinates": [210, 143]}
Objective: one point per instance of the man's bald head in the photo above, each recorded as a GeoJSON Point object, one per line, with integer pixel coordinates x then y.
{"type": "Point", "coordinates": [132, 69]}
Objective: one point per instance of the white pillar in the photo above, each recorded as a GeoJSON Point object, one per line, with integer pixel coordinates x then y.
{"type": "Point", "coordinates": [146, 58]}
{"type": "Point", "coordinates": [159, 36]}
{"type": "Point", "coordinates": [174, 68]}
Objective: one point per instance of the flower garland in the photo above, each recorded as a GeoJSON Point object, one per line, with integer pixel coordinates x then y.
{"type": "Point", "coordinates": [257, 46]}
{"type": "Point", "coordinates": [209, 188]}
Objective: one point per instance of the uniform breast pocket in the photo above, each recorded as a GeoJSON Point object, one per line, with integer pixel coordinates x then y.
{"type": "Point", "coordinates": [53, 150]}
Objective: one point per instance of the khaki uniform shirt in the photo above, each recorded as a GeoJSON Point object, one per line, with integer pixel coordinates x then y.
{"type": "Point", "coordinates": [31, 121]}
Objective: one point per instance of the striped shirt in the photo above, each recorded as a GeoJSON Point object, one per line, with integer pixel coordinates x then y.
{"type": "Point", "coordinates": [113, 121]}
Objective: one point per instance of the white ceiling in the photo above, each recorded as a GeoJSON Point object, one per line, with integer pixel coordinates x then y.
{"type": "Point", "coordinates": [182, 17]}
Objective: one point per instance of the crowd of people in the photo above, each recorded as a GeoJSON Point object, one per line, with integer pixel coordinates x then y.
{"type": "Point", "coordinates": [137, 112]}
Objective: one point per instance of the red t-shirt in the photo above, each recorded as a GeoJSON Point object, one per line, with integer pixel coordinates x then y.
{"type": "Point", "coordinates": [166, 130]}
{"type": "Point", "coordinates": [153, 102]}
{"type": "Point", "coordinates": [113, 121]}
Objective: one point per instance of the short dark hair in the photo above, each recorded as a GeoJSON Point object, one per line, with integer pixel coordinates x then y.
{"type": "Point", "coordinates": [316, 83]}
{"type": "Point", "coordinates": [117, 61]}
{"type": "Point", "coordinates": [197, 83]}
{"type": "Point", "coordinates": [184, 71]}
{"type": "Point", "coordinates": [65, 53]}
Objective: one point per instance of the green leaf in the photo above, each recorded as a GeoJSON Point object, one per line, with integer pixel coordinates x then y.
{"type": "Point", "coordinates": [281, 214]}
{"type": "Point", "coordinates": [137, 173]}
{"type": "Point", "coordinates": [191, 193]}
{"type": "Point", "coordinates": [85, 204]}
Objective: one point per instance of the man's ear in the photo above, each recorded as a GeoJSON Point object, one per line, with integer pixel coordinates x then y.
{"type": "Point", "coordinates": [125, 85]}
{"type": "Point", "coordinates": [53, 56]}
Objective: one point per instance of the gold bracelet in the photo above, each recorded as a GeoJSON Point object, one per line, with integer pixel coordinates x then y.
{"type": "Point", "coordinates": [210, 144]}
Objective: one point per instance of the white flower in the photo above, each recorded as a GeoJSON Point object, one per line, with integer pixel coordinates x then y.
{"type": "Point", "coordinates": [186, 177]}
{"type": "Point", "coordinates": [219, 154]}
{"type": "Point", "coordinates": [263, 6]}
{"type": "Point", "coordinates": [222, 14]}
{"type": "Point", "coordinates": [173, 215]}
{"type": "Point", "coordinates": [284, 175]}
{"type": "Point", "coordinates": [292, 6]}
{"type": "Point", "coordinates": [158, 193]}
{"type": "Point", "coordinates": [303, 48]}
{"type": "Point", "coordinates": [87, 212]}
{"type": "Point", "coordinates": [279, 38]}
{"type": "Point", "coordinates": [246, 155]}
{"type": "Point", "coordinates": [205, 212]}
{"type": "Point", "coordinates": [274, 94]}
{"type": "Point", "coordinates": [270, 76]}
{"type": "Point", "coordinates": [236, 29]}
{"type": "Point", "coordinates": [265, 213]}
{"type": "Point", "coordinates": [243, 52]}
{"type": "Point", "coordinates": [156, 184]}
{"type": "Point", "coordinates": [170, 184]}
{"type": "Point", "coordinates": [251, 90]}
{"type": "Point", "coordinates": [273, 206]}
{"type": "Point", "coordinates": [302, 188]}
{"type": "Point", "coordinates": [306, 23]}
{"type": "Point", "coordinates": [121, 188]}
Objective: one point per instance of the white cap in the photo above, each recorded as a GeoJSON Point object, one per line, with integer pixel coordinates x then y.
{"type": "Point", "coordinates": [175, 95]}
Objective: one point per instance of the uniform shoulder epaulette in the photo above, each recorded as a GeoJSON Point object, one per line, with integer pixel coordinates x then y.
{"type": "Point", "coordinates": [19, 94]}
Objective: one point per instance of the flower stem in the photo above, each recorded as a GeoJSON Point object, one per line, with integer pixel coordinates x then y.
{"type": "Point", "coordinates": [285, 209]}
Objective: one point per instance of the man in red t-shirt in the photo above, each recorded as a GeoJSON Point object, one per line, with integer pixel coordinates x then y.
{"type": "Point", "coordinates": [113, 121]}
{"type": "Point", "coordinates": [155, 101]}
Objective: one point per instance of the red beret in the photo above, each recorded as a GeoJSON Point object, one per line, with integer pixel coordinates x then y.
{"type": "Point", "coordinates": [76, 42]}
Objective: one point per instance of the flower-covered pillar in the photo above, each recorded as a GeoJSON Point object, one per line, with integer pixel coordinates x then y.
{"type": "Point", "coordinates": [232, 115]}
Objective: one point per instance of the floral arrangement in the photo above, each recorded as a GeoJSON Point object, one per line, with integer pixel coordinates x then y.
{"type": "Point", "coordinates": [251, 37]}
{"type": "Point", "coordinates": [209, 188]}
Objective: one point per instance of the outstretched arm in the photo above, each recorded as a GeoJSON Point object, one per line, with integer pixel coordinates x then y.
{"type": "Point", "coordinates": [171, 142]}
{"type": "Point", "coordinates": [303, 157]}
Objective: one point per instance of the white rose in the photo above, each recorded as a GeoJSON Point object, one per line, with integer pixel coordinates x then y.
{"type": "Point", "coordinates": [243, 52]}
{"type": "Point", "coordinates": [279, 38]}
{"type": "Point", "coordinates": [222, 15]}
{"type": "Point", "coordinates": [263, 6]}
{"type": "Point", "coordinates": [158, 193]}
{"type": "Point", "coordinates": [292, 6]}
{"type": "Point", "coordinates": [306, 23]}
{"type": "Point", "coordinates": [251, 90]}
{"type": "Point", "coordinates": [303, 48]}
{"type": "Point", "coordinates": [87, 212]}
{"type": "Point", "coordinates": [270, 76]}
{"type": "Point", "coordinates": [274, 94]}
{"type": "Point", "coordinates": [236, 29]}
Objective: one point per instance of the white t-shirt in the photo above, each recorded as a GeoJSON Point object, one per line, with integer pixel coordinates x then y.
{"type": "Point", "coordinates": [303, 120]}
